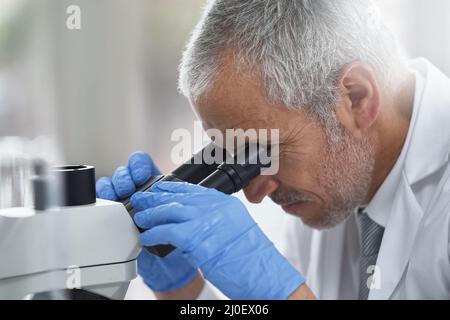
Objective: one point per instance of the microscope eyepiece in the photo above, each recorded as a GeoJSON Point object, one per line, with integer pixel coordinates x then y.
{"type": "Point", "coordinates": [201, 165]}
{"type": "Point", "coordinates": [212, 167]}
{"type": "Point", "coordinates": [232, 177]}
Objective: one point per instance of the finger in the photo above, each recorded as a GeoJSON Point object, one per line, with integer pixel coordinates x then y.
{"type": "Point", "coordinates": [171, 213]}
{"type": "Point", "coordinates": [105, 190]}
{"type": "Point", "coordinates": [146, 263]}
{"type": "Point", "coordinates": [146, 259]}
{"type": "Point", "coordinates": [180, 187]}
{"type": "Point", "coordinates": [122, 182]}
{"type": "Point", "coordinates": [164, 234]}
{"type": "Point", "coordinates": [141, 167]}
{"type": "Point", "coordinates": [145, 200]}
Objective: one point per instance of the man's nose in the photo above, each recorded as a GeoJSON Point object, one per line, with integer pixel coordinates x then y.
{"type": "Point", "coordinates": [260, 187]}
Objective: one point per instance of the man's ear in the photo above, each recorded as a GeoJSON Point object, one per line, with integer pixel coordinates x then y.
{"type": "Point", "coordinates": [360, 98]}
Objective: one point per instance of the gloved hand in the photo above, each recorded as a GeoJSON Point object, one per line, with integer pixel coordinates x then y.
{"type": "Point", "coordinates": [161, 275]}
{"type": "Point", "coordinates": [216, 233]}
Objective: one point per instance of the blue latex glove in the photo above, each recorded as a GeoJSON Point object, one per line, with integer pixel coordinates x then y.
{"type": "Point", "coordinates": [216, 233]}
{"type": "Point", "coordinates": [172, 272]}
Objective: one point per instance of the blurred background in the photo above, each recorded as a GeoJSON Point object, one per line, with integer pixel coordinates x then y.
{"type": "Point", "coordinates": [95, 95]}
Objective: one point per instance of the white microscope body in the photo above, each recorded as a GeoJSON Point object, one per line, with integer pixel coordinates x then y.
{"type": "Point", "coordinates": [90, 247]}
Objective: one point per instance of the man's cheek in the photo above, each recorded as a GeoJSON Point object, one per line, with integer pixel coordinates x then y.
{"type": "Point", "coordinates": [292, 172]}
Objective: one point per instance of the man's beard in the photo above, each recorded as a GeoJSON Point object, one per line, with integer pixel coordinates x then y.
{"type": "Point", "coordinates": [346, 169]}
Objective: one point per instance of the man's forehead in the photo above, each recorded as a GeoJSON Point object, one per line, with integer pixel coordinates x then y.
{"type": "Point", "coordinates": [236, 102]}
{"type": "Point", "coordinates": [223, 114]}
{"type": "Point", "coordinates": [274, 126]}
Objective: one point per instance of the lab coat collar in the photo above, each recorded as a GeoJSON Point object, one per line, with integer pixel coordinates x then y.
{"type": "Point", "coordinates": [379, 208]}
{"type": "Point", "coordinates": [430, 142]}
{"type": "Point", "coordinates": [427, 152]}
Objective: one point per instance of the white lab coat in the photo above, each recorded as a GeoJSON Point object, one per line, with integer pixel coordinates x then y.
{"type": "Point", "coordinates": [413, 261]}
{"type": "Point", "coordinates": [414, 207]}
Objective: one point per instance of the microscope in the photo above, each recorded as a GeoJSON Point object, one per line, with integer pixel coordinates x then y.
{"type": "Point", "coordinates": [70, 245]}
{"type": "Point", "coordinates": [74, 246]}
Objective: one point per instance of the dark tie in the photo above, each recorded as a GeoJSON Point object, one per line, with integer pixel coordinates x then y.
{"type": "Point", "coordinates": [371, 235]}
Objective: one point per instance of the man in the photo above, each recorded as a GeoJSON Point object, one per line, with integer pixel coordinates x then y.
{"type": "Point", "coordinates": [364, 160]}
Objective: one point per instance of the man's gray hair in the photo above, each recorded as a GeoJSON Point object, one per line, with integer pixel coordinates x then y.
{"type": "Point", "coordinates": [298, 47]}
